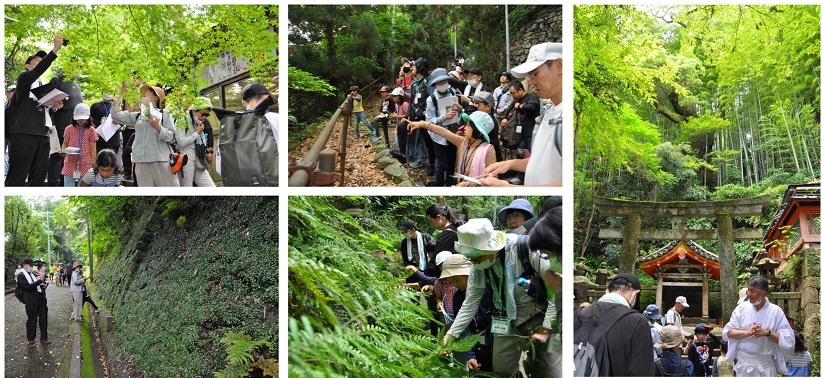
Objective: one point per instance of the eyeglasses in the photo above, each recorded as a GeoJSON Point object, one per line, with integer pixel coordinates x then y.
{"type": "Point", "coordinates": [205, 114]}
{"type": "Point", "coordinates": [533, 74]}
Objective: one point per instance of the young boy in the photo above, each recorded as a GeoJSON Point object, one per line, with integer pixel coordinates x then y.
{"type": "Point", "coordinates": [700, 350]}
{"type": "Point", "coordinates": [359, 115]}
{"type": "Point", "coordinates": [386, 108]}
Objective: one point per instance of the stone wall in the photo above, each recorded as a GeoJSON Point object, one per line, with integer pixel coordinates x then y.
{"type": "Point", "coordinates": [546, 27]}
{"type": "Point", "coordinates": [809, 305]}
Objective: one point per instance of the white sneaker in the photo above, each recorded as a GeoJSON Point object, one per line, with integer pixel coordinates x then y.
{"type": "Point", "coordinates": [97, 311]}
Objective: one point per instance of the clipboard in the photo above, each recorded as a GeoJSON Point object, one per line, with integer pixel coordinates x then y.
{"type": "Point", "coordinates": [48, 95]}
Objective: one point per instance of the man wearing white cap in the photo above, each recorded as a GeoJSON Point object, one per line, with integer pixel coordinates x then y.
{"type": "Point", "coordinates": [673, 316]}
{"type": "Point", "coordinates": [543, 69]}
{"type": "Point", "coordinates": [497, 264]}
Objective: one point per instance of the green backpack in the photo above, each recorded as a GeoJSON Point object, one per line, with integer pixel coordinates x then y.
{"type": "Point", "coordinates": [248, 150]}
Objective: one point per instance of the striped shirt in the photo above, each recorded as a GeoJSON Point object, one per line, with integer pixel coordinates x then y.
{"type": "Point", "coordinates": [92, 178]}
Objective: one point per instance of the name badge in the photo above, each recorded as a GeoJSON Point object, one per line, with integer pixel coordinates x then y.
{"type": "Point", "coordinates": [519, 130]}
{"type": "Point", "coordinates": [500, 326]}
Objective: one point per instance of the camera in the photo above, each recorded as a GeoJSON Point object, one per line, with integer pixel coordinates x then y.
{"type": "Point", "coordinates": [65, 42]}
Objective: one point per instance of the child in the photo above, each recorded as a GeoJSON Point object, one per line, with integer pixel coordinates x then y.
{"type": "Point", "coordinates": [81, 134]}
{"type": "Point", "coordinates": [722, 367]}
{"type": "Point", "coordinates": [106, 172]}
{"type": "Point", "coordinates": [700, 350]}
{"type": "Point", "coordinates": [359, 115]}
{"type": "Point", "coordinates": [799, 364]}
{"type": "Point", "coordinates": [386, 107]}
{"type": "Point", "coordinates": [670, 363]}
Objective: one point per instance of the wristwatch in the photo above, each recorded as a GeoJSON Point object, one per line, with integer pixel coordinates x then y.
{"type": "Point", "coordinates": [769, 333]}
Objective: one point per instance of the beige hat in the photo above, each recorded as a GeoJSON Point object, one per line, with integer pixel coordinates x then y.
{"type": "Point", "coordinates": [477, 237]}
{"type": "Point", "coordinates": [669, 337]}
{"type": "Point", "coordinates": [743, 295]}
{"type": "Point", "coordinates": [157, 90]}
{"type": "Point", "coordinates": [456, 265]}
{"type": "Point", "coordinates": [76, 265]}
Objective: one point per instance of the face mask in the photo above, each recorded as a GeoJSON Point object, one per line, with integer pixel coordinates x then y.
{"type": "Point", "coordinates": [443, 88]}
{"type": "Point", "coordinates": [406, 69]}
{"type": "Point", "coordinates": [472, 82]}
{"type": "Point", "coordinates": [146, 100]}
{"type": "Point", "coordinates": [28, 269]}
{"type": "Point", "coordinates": [483, 265]}
{"type": "Point", "coordinates": [409, 235]}
{"type": "Point", "coordinates": [757, 303]}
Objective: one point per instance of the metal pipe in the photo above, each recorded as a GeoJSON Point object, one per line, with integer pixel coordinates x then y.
{"type": "Point", "coordinates": [300, 177]}
{"type": "Point", "coordinates": [343, 139]}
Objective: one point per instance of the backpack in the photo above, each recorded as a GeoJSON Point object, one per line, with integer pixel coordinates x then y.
{"type": "Point", "coordinates": [248, 150]}
{"type": "Point", "coordinates": [537, 288]}
{"type": "Point", "coordinates": [509, 137]}
{"type": "Point", "coordinates": [18, 293]}
{"type": "Point", "coordinates": [591, 351]}
{"type": "Point", "coordinates": [661, 369]}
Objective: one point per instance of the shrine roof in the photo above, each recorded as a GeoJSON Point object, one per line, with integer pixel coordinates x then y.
{"type": "Point", "coordinates": [676, 251]}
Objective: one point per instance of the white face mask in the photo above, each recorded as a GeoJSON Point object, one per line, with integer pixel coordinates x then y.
{"type": "Point", "coordinates": [483, 265]}
{"type": "Point", "coordinates": [443, 88]}
{"type": "Point", "coordinates": [409, 235]}
{"type": "Point", "coordinates": [472, 82]}
{"type": "Point", "coordinates": [759, 302]}
{"type": "Point", "coordinates": [28, 269]}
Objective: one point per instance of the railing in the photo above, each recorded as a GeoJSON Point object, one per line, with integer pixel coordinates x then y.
{"type": "Point", "coordinates": [305, 173]}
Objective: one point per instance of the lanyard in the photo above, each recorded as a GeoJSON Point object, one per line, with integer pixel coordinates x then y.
{"type": "Point", "coordinates": [497, 289]}
{"type": "Point", "coordinates": [465, 158]}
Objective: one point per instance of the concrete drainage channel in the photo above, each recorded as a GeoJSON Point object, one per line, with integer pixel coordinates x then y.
{"type": "Point", "coordinates": [390, 166]}
{"type": "Point", "coordinates": [77, 357]}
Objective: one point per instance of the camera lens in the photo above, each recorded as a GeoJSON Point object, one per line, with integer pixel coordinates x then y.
{"type": "Point", "coordinates": [65, 42]}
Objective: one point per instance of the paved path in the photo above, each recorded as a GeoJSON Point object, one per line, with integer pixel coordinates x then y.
{"type": "Point", "coordinates": [42, 361]}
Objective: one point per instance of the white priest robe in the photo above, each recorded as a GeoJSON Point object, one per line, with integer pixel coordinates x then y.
{"type": "Point", "coordinates": [769, 317]}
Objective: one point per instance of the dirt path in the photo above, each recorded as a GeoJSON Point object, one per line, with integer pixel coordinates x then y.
{"type": "Point", "coordinates": [43, 360]}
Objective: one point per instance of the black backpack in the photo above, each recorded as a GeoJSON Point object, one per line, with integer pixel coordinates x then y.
{"type": "Point", "coordinates": [661, 369]}
{"type": "Point", "coordinates": [248, 150]}
{"type": "Point", "coordinates": [591, 346]}
{"type": "Point", "coordinates": [537, 288]}
{"type": "Point", "coordinates": [18, 292]}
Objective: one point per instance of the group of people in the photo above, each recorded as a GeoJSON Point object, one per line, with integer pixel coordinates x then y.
{"type": "Point", "coordinates": [463, 127]}
{"type": "Point", "coordinates": [757, 341]}
{"type": "Point", "coordinates": [33, 278]}
{"type": "Point", "coordinates": [504, 286]}
{"type": "Point", "coordinates": [62, 141]}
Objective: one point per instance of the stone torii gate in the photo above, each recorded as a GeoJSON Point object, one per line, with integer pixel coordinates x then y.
{"type": "Point", "coordinates": [724, 234]}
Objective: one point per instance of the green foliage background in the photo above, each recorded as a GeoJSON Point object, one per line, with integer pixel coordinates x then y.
{"type": "Point", "coordinates": [697, 102]}
{"type": "Point", "coordinates": [165, 44]}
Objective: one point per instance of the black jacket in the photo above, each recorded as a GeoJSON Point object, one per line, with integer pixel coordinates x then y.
{"type": "Point", "coordinates": [530, 104]}
{"type": "Point", "coordinates": [415, 255]}
{"type": "Point", "coordinates": [29, 118]}
{"type": "Point", "coordinates": [30, 289]}
{"type": "Point", "coordinates": [630, 349]}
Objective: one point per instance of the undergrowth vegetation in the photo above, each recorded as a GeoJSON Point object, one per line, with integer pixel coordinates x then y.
{"type": "Point", "coordinates": [348, 313]}
{"type": "Point", "coordinates": [177, 288]}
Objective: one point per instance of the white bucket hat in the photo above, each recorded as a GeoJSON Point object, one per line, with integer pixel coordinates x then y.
{"type": "Point", "coordinates": [442, 256]}
{"type": "Point", "coordinates": [477, 237]}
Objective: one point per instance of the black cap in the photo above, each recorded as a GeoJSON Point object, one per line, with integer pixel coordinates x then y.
{"type": "Point", "coordinates": [475, 71]}
{"type": "Point", "coordinates": [626, 279]}
{"type": "Point", "coordinates": [407, 225]}
{"type": "Point", "coordinates": [548, 204]}
{"type": "Point", "coordinates": [354, 88]}
{"type": "Point", "coordinates": [384, 88]}
{"type": "Point", "coordinates": [41, 54]}
{"type": "Point", "coordinates": [254, 89]}
{"type": "Point", "coordinates": [508, 74]}
{"type": "Point", "coordinates": [28, 261]}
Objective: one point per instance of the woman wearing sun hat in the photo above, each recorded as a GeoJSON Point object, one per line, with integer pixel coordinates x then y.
{"type": "Point", "coordinates": [515, 313]}
{"type": "Point", "coordinates": [191, 136]}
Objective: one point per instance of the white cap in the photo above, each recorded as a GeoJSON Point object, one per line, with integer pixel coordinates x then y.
{"type": "Point", "coordinates": [397, 92]}
{"type": "Point", "coordinates": [683, 301]}
{"type": "Point", "coordinates": [538, 55]}
{"type": "Point", "coordinates": [81, 111]}
{"type": "Point", "coordinates": [442, 256]}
